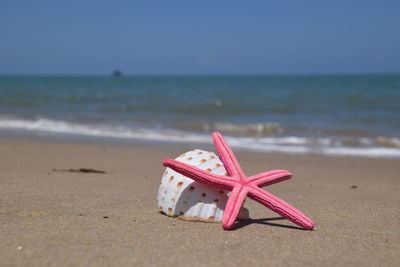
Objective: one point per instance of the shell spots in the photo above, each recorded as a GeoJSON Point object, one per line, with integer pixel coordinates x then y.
{"type": "Point", "coordinates": [199, 153]}
{"type": "Point", "coordinates": [169, 209]}
{"type": "Point", "coordinates": [203, 160]}
{"type": "Point", "coordinates": [208, 169]}
{"type": "Point", "coordinates": [217, 165]}
{"type": "Point", "coordinates": [181, 156]}
{"type": "Point", "coordinates": [181, 213]}
{"type": "Point", "coordinates": [216, 200]}
{"type": "Point", "coordinates": [191, 189]}
{"type": "Point", "coordinates": [221, 192]}
{"type": "Point", "coordinates": [203, 194]}
{"type": "Point", "coordinates": [160, 208]}
{"type": "Point", "coordinates": [165, 173]}
{"type": "Point", "coordinates": [212, 157]}
{"type": "Point", "coordinates": [171, 178]}
{"type": "Point", "coordinates": [189, 158]}
{"type": "Point", "coordinates": [226, 173]}
{"type": "Point", "coordinates": [173, 199]}
{"type": "Point", "coordinates": [211, 218]}
{"type": "Point", "coordinates": [179, 184]}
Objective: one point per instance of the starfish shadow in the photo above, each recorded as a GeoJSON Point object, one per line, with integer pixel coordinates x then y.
{"type": "Point", "coordinates": [264, 221]}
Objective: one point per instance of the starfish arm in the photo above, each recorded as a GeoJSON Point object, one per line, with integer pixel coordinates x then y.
{"type": "Point", "coordinates": [232, 208]}
{"type": "Point", "coordinates": [280, 207]}
{"type": "Point", "coordinates": [268, 178]}
{"type": "Point", "coordinates": [199, 175]}
{"type": "Point", "coordinates": [227, 156]}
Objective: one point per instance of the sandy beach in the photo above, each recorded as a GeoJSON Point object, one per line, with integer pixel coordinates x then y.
{"type": "Point", "coordinates": [51, 217]}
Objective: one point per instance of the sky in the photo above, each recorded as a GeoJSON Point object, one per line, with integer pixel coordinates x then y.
{"type": "Point", "coordinates": [199, 37]}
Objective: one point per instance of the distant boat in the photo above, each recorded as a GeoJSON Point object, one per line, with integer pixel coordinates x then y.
{"type": "Point", "coordinates": [117, 73]}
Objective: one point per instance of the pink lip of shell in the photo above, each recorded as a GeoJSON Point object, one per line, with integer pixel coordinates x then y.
{"type": "Point", "coordinates": [242, 186]}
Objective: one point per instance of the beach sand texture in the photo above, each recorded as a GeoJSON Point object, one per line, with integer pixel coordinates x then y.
{"type": "Point", "coordinates": [57, 218]}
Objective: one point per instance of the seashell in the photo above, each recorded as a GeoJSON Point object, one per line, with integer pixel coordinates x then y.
{"type": "Point", "coordinates": [180, 196]}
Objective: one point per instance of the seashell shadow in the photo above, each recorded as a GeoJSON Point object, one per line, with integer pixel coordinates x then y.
{"type": "Point", "coordinates": [265, 221]}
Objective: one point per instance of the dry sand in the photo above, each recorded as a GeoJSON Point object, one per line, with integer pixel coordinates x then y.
{"type": "Point", "coordinates": [50, 218]}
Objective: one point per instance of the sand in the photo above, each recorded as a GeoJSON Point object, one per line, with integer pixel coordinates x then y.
{"type": "Point", "coordinates": [56, 218]}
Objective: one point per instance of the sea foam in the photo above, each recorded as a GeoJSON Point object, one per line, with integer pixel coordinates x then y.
{"type": "Point", "coordinates": [279, 144]}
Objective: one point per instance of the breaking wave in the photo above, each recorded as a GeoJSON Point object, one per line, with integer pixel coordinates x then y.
{"type": "Point", "coordinates": [377, 147]}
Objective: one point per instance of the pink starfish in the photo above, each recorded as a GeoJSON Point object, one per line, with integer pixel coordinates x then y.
{"type": "Point", "coordinates": [242, 186]}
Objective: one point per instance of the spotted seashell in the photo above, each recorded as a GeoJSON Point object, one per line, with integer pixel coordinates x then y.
{"type": "Point", "coordinates": [180, 196]}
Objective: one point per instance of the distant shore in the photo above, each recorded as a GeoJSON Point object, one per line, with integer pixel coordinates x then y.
{"type": "Point", "coordinates": [52, 216]}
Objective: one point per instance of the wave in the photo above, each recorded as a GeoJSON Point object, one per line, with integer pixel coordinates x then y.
{"type": "Point", "coordinates": [251, 129]}
{"type": "Point", "coordinates": [379, 147]}
{"type": "Point", "coordinates": [63, 127]}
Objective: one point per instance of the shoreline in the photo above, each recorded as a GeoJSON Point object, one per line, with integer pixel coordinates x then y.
{"type": "Point", "coordinates": [283, 145]}
{"type": "Point", "coordinates": [65, 218]}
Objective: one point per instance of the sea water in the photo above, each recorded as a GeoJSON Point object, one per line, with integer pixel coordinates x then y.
{"type": "Point", "coordinates": [351, 115]}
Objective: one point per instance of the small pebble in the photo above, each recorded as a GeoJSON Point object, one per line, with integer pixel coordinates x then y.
{"type": "Point", "coordinates": [353, 186]}
{"type": "Point", "coordinates": [105, 217]}
{"type": "Point", "coordinates": [19, 248]}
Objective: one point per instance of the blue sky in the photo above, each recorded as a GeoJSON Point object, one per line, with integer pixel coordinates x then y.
{"type": "Point", "coordinates": [199, 37]}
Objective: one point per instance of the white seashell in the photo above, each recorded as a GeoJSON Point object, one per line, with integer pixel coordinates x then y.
{"type": "Point", "coordinates": [180, 196]}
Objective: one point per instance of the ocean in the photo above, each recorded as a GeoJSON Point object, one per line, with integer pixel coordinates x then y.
{"type": "Point", "coordinates": [343, 115]}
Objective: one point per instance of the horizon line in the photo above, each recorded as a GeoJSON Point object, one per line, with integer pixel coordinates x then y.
{"type": "Point", "coordinates": [110, 74]}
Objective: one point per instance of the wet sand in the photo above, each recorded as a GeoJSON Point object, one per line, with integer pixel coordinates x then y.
{"type": "Point", "coordinates": [50, 216]}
